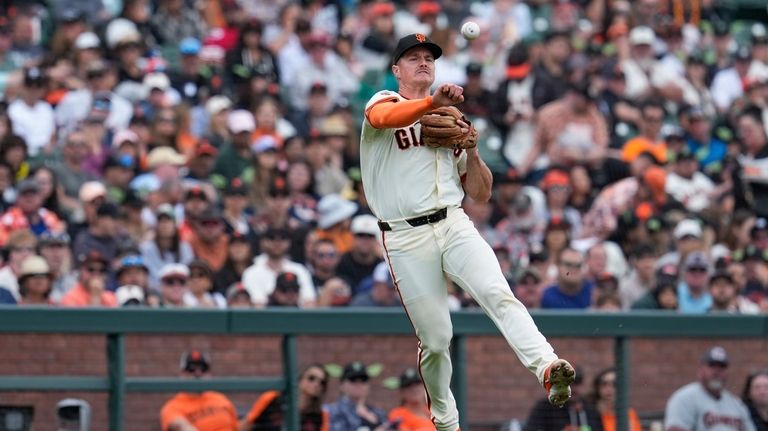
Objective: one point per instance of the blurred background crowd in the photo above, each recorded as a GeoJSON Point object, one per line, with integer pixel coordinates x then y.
{"type": "Point", "coordinates": [182, 153]}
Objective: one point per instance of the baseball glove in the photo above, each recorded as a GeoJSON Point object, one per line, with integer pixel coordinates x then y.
{"type": "Point", "coordinates": [440, 129]}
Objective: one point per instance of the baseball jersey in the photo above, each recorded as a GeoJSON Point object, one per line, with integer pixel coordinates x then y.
{"type": "Point", "coordinates": [692, 408]}
{"type": "Point", "coordinates": [403, 177]}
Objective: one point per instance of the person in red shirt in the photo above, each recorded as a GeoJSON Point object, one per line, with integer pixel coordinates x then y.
{"type": "Point", "coordinates": [204, 411]}
{"type": "Point", "coordinates": [90, 290]}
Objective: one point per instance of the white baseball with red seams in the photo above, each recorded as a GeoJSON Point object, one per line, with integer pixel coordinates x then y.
{"type": "Point", "coordinates": [403, 179]}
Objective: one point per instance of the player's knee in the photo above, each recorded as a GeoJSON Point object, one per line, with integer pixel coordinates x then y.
{"type": "Point", "coordinates": [437, 342]}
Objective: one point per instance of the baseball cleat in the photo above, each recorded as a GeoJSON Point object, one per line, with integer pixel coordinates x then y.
{"type": "Point", "coordinates": [557, 381]}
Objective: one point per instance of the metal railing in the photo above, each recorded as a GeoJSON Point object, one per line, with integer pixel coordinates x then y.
{"type": "Point", "coordinates": [289, 324]}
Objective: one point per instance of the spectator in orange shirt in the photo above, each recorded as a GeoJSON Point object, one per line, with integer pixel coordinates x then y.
{"type": "Point", "coordinates": [28, 213]}
{"type": "Point", "coordinates": [204, 411]}
{"type": "Point", "coordinates": [208, 240]}
{"type": "Point", "coordinates": [649, 140]}
{"type": "Point", "coordinates": [268, 410]}
{"type": "Point", "coordinates": [333, 222]}
{"type": "Point", "coordinates": [413, 413]}
{"type": "Point", "coordinates": [90, 290]}
{"type": "Point", "coordinates": [604, 397]}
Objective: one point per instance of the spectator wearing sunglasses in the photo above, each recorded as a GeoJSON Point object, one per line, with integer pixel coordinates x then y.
{"type": "Point", "coordinates": [352, 411]}
{"type": "Point", "coordinates": [173, 285]}
{"type": "Point", "coordinates": [201, 411]}
{"type": "Point", "coordinates": [90, 290]}
{"type": "Point", "coordinates": [268, 410]}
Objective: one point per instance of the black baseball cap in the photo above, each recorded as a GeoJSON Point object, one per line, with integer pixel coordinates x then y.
{"type": "Point", "coordinates": [409, 377]}
{"type": "Point", "coordinates": [355, 370]}
{"type": "Point", "coordinates": [415, 40]}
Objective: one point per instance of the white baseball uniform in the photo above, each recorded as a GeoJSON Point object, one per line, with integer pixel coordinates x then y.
{"type": "Point", "coordinates": [403, 179]}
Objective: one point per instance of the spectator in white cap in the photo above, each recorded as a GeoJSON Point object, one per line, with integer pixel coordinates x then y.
{"type": "Point", "coordinates": [235, 158]}
{"type": "Point", "coordinates": [87, 47]}
{"type": "Point", "coordinates": [218, 108]}
{"type": "Point", "coordinates": [688, 236]}
{"type": "Point", "coordinates": [173, 285]}
{"type": "Point", "coordinates": [130, 295]}
{"type": "Point", "coordinates": [692, 293]}
{"type": "Point", "coordinates": [643, 72]}
{"type": "Point", "coordinates": [333, 221]}
{"type": "Point", "coordinates": [365, 253]}
{"type": "Point", "coordinates": [164, 164]}
{"type": "Point", "coordinates": [382, 292]}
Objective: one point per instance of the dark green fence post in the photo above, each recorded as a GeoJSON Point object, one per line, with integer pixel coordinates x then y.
{"type": "Point", "coordinates": [291, 373]}
{"type": "Point", "coordinates": [622, 358]}
{"type": "Point", "coordinates": [116, 376]}
{"type": "Point", "coordinates": [459, 379]}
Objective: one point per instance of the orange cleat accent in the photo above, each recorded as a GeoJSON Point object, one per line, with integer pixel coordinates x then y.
{"type": "Point", "coordinates": [557, 381]}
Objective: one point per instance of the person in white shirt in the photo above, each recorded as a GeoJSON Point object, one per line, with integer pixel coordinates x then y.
{"type": "Point", "coordinates": [688, 185]}
{"type": "Point", "coordinates": [260, 278]}
{"type": "Point", "coordinates": [727, 84]}
{"type": "Point", "coordinates": [31, 116]}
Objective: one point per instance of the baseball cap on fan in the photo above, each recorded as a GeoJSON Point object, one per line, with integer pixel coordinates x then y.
{"type": "Point", "coordinates": [415, 40]}
{"type": "Point", "coordinates": [715, 356]}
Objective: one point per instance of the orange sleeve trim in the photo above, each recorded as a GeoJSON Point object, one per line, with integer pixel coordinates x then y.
{"type": "Point", "coordinates": [326, 426]}
{"type": "Point", "coordinates": [260, 405]}
{"type": "Point", "coordinates": [395, 115]}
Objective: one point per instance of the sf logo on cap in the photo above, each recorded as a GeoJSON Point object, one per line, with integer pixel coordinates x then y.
{"type": "Point", "coordinates": [420, 37]}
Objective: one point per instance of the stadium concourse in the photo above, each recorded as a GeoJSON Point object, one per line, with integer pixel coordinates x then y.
{"type": "Point", "coordinates": [205, 154]}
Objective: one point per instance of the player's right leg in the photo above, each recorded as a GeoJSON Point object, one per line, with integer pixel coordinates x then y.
{"type": "Point", "coordinates": [415, 262]}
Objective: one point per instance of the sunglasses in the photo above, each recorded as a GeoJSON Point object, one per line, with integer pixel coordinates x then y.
{"type": "Point", "coordinates": [359, 379]}
{"type": "Point", "coordinates": [174, 281]}
{"type": "Point", "coordinates": [328, 255]}
{"type": "Point", "coordinates": [571, 264]}
{"type": "Point", "coordinates": [210, 223]}
{"type": "Point", "coordinates": [317, 379]}
{"type": "Point", "coordinates": [195, 274]}
{"type": "Point", "coordinates": [96, 269]}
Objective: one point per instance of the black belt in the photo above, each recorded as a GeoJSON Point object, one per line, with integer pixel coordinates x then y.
{"type": "Point", "coordinates": [420, 221]}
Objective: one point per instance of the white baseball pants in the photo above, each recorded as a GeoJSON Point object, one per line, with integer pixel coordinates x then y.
{"type": "Point", "coordinates": [419, 258]}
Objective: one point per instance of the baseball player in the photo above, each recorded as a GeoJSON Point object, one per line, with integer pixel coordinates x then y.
{"type": "Point", "coordinates": [416, 192]}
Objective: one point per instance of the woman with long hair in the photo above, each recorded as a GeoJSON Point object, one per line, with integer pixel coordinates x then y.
{"type": "Point", "coordinates": [165, 246]}
{"type": "Point", "coordinates": [755, 396]}
{"type": "Point", "coordinates": [267, 413]}
{"type": "Point", "coordinates": [604, 398]}
{"type": "Point", "coordinates": [239, 257]}
{"type": "Point", "coordinates": [49, 188]}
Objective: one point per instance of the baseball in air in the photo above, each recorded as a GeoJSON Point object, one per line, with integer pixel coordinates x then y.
{"type": "Point", "coordinates": [470, 30]}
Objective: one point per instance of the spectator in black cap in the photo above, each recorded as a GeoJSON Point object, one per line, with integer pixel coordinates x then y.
{"type": "Point", "coordinates": [234, 212]}
{"type": "Point", "coordinates": [698, 402]}
{"type": "Point", "coordinates": [251, 56]}
{"type": "Point", "coordinates": [286, 293]}
{"type": "Point", "coordinates": [103, 234]}
{"type": "Point", "coordinates": [54, 248]}
{"type": "Point", "coordinates": [353, 410]}
{"type": "Point", "coordinates": [476, 96]}
{"type": "Point", "coordinates": [32, 116]}
{"type": "Point", "coordinates": [620, 112]}
{"type": "Point", "coordinates": [726, 297]}
{"type": "Point", "coordinates": [207, 238]}
{"type": "Point", "coordinates": [549, 74]}
{"type": "Point", "coordinates": [556, 133]}
{"type": "Point", "coordinates": [201, 293]}
{"type": "Point", "coordinates": [413, 412]}
{"type": "Point", "coordinates": [91, 288]}
{"type": "Point", "coordinates": [239, 257]}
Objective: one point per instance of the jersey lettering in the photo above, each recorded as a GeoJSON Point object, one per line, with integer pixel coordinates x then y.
{"type": "Point", "coordinates": [407, 139]}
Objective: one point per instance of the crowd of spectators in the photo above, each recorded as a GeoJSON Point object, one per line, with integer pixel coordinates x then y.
{"type": "Point", "coordinates": [179, 153]}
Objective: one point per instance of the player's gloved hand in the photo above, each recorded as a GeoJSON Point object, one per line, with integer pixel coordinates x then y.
{"type": "Point", "coordinates": [446, 127]}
